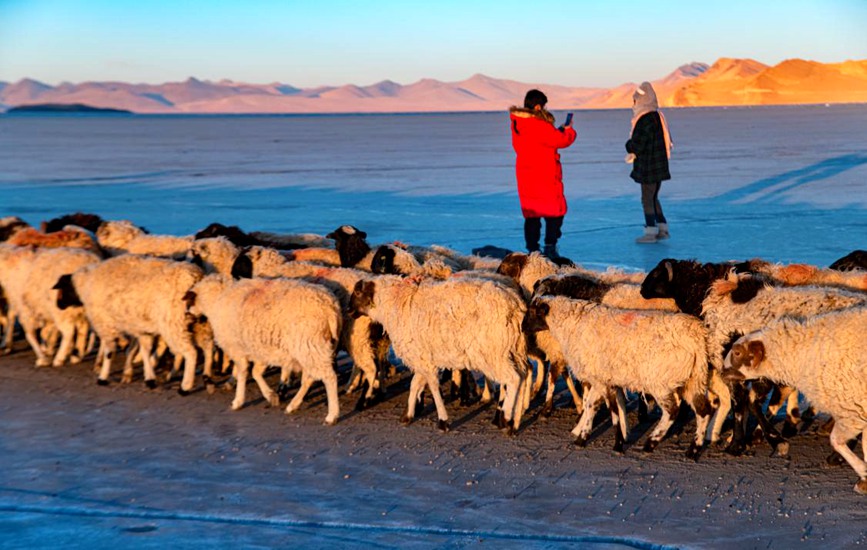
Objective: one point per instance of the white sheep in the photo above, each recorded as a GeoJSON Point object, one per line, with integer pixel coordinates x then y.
{"type": "Point", "coordinates": [137, 296]}
{"type": "Point", "coordinates": [123, 237]}
{"type": "Point", "coordinates": [656, 352]}
{"type": "Point", "coordinates": [36, 304]}
{"type": "Point", "coordinates": [14, 262]}
{"type": "Point", "coordinates": [285, 322]}
{"type": "Point", "coordinates": [214, 255]}
{"type": "Point", "coordinates": [457, 324]}
{"type": "Point", "coordinates": [361, 338]}
{"type": "Point", "coordinates": [805, 274]}
{"type": "Point", "coordinates": [740, 304]}
{"type": "Point", "coordinates": [825, 357]}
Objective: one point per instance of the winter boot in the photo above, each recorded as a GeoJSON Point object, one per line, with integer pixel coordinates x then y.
{"type": "Point", "coordinates": [663, 232]}
{"type": "Point", "coordinates": [550, 252]}
{"type": "Point", "coordinates": [651, 235]}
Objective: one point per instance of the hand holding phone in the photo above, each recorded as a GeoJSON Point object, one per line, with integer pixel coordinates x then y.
{"type": "Point", "coordinates": [568, 120]}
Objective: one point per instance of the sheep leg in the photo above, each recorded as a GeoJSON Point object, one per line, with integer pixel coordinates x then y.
{"type": "Point", "coordinates": [242, 367]}
{"type": "Point", "coordinates": [416, 385]}
{"type": "Point", "coordinates": [108, 346]}
{"type": "Point", "coordinates": [443, 416]}
{"type": "Point", "coordinates": [670, 407]}
{"type": "Point", "coordinates": [724, 404]}
{"type": "Point", "coordinates": [82, 336]}
{"type": "Point", "coordinates": [541, 376]}
{"type": "Point", "coordinates": [616, 405]}
{"type": "Point", "coordinates": [147, 343]}
{"type": "Point", "coordinates": [331, 393]}
{"type": "Point", "coordinates": [576, 399]}
{"type": "Point", "coordinates": [554, 371]}
{"type": "Point", "coordinates": [789, 395]}
{"type": "Point", "coordinates": [592, 399]}
{"type": "Point", "coordinates": [67, 339]}
{"type": "Point", "coordinates": [740, 408]}
{"type": "Point", "coordinates": [513, 408]}
{"type": "Point", "coordinates": [840, 436]}
{"type": "Point", "coordinates": [42, 359]}
{"type": "Point", "coordinates": [270, 396]}
{"type": "Point", "coordinates": [9, 335]}
{"type": "Point", "coordinates": [295, 404]}
{"type": "Point", "coordinates": [133, 354]}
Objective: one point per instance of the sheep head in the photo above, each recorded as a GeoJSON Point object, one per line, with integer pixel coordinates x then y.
{"type": "Point", "coordinates": [66, 296]}
{"type": "Point", "coordinates": [513, 264]}
{"type": "Point", "coordinates": [242, 267]}
{"type": "Point", "coordinates": [350, 244]}
{"type": "Point", "coordinates": [659, 282]}
{"type": "Point", "coordinates": [362, 298]}
{"type": "Point", "coordinates": [744, 359]}
{"type": "Point", "coordinates": [383, 261]}
{"type": "Point", "coordinates": [536, 318]}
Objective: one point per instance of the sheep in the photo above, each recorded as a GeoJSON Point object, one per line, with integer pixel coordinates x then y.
{"type": "Point", "coordinates": [138, 296]}
{"type": "Point", "coordinates": [656, 352]}
{"type": "Point", "coordinates": [857, 259]}
{"type": "Point", "coordinates": [36, 302]}
{"type": "Point", "coordinates": [11, 225]}
{"type": "Point", "coordinates": [280, 321]}
{"type": "Point", "coordinates": [90, 222]}
{"type": "Point", "coordinates": [259, 238]}
{"type": "Point", "coordinates": [215, 255]}
{"type": "Point", "coordinates": [123, 237]}
{"type": "Point", "coordinates": [740, 304]}
{"type": "Point", "coordinates": [14, 270]}
{"type": "Point", "coordinates": [803, 274]}
{"type": "Point", "coordinates": [362, 339]}
{"type": "Point", "coordinates": [69, 236]}
{"type": "Point", "coordinates": [825, 357]}
{"type": "Point", "coordinates": [458, 323]}
{"type": "Point", "coordinates": [581, 286]}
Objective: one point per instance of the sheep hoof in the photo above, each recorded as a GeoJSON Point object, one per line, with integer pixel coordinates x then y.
{"type": "Point", "coordinates": [238, 406]}
{"type": "Point", "coordinates": [861, 487]}
{"type": "Point", "coordinates": [835, 459]}
{"type": "Point", "coordinates": [618, 446]}
{"type": "Point", "coordinates": [510, 431]}
{"type": "Point", "coordinates": [443, 426]}
{"type": "Point", "coordinates": [650, 445]}
{"type": "Point", "coordinates": [500, 419]}
{"type": "Point", "coordinates": [736, 448]}
{"type": "Point", "coordinates": [330, 422]}
{"type": "Point", "coordinates": [74, 360]}
{"type": "Point", "coordinates": [283, 391]}
{"type": "Point", "coordinates": [580, 441]}
{"type": "Point", "coordinates": [759, 435]}
{"type": "Point", "coordinates": [274, 400]}
{"type": "Point", "coordinates": [183, 393]}
{"type": "Point", "coordinates": [781, 450]}
{"type": "Point", "coordinates": [126, 379]}
{"type": "Point", "coordinates": [789, 430]}
{"type": "Point", "coordinates": [406, 420]}
{"type": "Point", "coordinates": [151, 384]}
{"type": "Point", "coordinates": [548, 409]}
{"type": "Point", "coordinates": [361, 404]}
{"type": "Point", "coordinates": [42, 363]}
{"type": "Point", "coordinates": [694, 451]}
{"type": "Point", "coordinates": [101, 382]}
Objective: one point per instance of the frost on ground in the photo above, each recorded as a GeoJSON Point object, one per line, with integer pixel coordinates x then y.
{"type": "Point", "coordinates": [101, 465]}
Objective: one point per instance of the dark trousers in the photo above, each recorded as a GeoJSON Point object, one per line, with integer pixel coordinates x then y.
{"type": "Point", "coordinates": [650, 203]}
{"type": "Point", "coordinates": [533, 231]}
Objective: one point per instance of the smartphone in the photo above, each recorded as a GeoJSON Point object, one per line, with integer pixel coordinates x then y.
{"type": "Point", "coordinates": [568, 119]}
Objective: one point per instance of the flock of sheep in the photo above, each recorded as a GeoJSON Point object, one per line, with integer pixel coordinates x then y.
{"type": "Point", "coordinates": [722, 337]}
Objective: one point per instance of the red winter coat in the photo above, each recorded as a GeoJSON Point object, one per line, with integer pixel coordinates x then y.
{"type": "Point", "coordinates": [537, 166]}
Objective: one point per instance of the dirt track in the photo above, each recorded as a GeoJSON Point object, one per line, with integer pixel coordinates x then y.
{"type": "Point", "coordinates": [97, 466]}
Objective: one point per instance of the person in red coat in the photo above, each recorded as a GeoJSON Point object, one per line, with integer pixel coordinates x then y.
{"type": "Point", "coordinates": [540, 176]}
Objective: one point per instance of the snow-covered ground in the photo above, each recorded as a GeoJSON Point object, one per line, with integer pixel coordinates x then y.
{"type": "Point", "coordinates": [90, 466]}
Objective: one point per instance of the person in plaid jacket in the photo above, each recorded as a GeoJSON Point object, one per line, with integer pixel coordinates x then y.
{"type": "Point", "coordinates": [649, 149]}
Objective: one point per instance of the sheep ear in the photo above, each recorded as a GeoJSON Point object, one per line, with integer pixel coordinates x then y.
{"type": "Point", "coordinates": [757, 352]}
{"type": "Point", "coordinates": [670, 270]}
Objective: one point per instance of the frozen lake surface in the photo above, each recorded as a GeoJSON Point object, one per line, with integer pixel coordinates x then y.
{"type": "Point", "coordinates": [86, 466]}
{"type": "Point", "coordinates": [786, 184]}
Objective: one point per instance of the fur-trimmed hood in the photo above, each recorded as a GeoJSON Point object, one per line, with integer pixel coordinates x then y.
{"type": "Point", "coordinates": [521, 112]}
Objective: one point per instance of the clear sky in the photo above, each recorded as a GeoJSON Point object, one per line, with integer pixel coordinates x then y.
{"type": "Point", "coordinates": [333, 42]}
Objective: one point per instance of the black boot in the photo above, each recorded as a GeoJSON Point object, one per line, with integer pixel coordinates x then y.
{"type": "Point", "coordinates": [550, 252]}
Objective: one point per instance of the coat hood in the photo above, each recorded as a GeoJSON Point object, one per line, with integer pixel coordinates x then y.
{"type": "Point", "coordinates": [521, 112]}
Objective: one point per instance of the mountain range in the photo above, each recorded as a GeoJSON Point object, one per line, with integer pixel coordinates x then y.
{"type": "Point", "coordinates": [726, 82]}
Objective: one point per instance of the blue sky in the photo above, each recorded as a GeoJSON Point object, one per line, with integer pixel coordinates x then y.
{"type": "Point", "coordinates": [319, 42]}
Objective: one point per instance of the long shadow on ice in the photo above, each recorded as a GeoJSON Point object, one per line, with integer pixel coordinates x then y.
{"type": "Point", "coordinates": [770, 188]}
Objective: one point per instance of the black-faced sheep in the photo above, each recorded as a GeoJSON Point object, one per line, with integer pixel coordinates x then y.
{"type": "Point", "coordinates": [825, 357]}
{"type": "Point", "coordinates": [857, 259]}
{"type": "Point", "coordinates": [137, 296]}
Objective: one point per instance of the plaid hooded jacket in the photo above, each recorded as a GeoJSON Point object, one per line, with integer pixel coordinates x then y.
{"type": "Point", "coordinates": [648, 145]}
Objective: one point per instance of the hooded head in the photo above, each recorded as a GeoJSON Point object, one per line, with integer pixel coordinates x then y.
{"type": "Point", "coordinates": [643, 101]}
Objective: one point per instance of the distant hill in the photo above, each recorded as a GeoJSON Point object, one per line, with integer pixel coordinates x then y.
{"type": "Point", "coordinates": [65, 108]}
{"type": "Point", "coordinates": [726, 82]}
